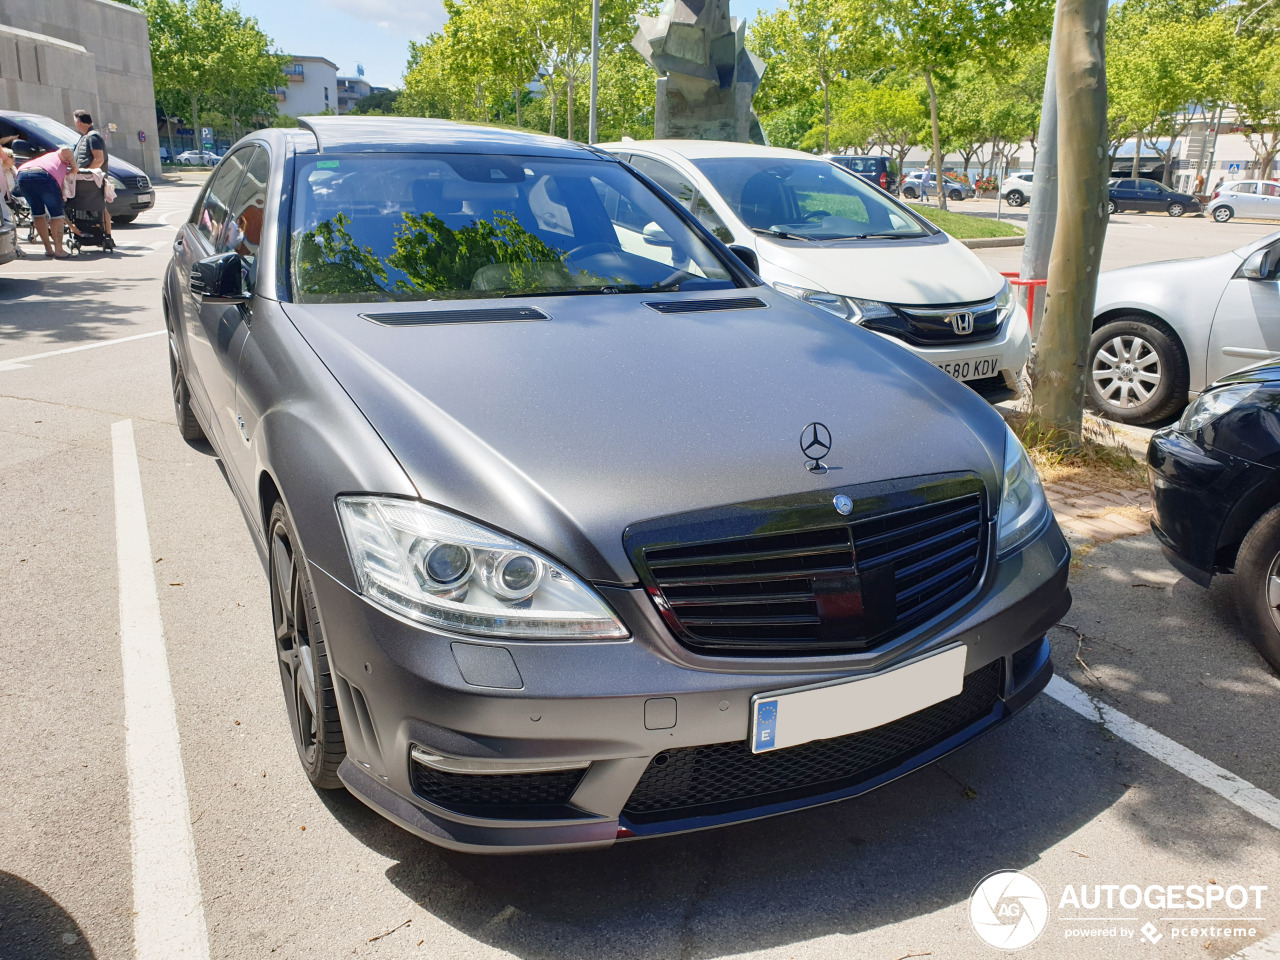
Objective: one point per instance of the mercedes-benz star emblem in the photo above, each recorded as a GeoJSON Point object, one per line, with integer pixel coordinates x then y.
{"type": "Point", "coordinates": [844, 506]}
{"type": "Point", "coordinates": [961, 323]}
{"type": "Point", "coordinates": [815, 443]}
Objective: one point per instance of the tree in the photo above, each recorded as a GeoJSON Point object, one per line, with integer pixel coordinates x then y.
{"type": "Point", "coordinates": [1255, 91]}
{"type": "Point", "coordinates": [380, 103]}
{"type": "Point", "coordinates": [891, 115]}
{"type": "Point", "coordinates": [1063, 344]}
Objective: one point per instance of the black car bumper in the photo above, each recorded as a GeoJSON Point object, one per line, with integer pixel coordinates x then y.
{"type": "Point", "coordinates": [645, 745]}
{"type": "Point", "coordinates": [131, 201]}
{"type": "Point", "coordinates": [1203, 502]}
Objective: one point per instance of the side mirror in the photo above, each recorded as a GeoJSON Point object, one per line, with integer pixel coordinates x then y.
{"type": "Point", "coordinates": [1260, 265]}
{"type": "Point", "coordinates": [655, 236]}
{"type": "Point", "coordinates": [221, 279]}
{"type": "Point", "coordinates": [747, 256]}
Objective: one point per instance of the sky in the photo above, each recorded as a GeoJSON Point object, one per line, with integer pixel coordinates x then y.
{"type": "Point", "coordinates": [375, 33]}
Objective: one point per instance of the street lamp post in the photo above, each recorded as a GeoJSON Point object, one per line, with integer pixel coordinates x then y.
{"type": "Point", "coordinates": [595, 68]}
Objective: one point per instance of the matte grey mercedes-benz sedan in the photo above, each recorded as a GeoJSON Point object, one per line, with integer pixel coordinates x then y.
{"type": "Point", "coordinates": [577, 532]}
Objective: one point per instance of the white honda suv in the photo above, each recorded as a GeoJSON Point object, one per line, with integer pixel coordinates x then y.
{"type": "Point", "coordinates": [827, 237]}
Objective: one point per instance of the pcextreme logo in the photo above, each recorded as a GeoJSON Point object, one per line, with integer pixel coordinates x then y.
{"type": "Point", "coordinates": [1008, 909]}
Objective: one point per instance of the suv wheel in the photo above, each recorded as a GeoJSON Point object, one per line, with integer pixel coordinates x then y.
{"type": "Point", "coordinates": [1258, 586]}
{"type": "Point", "coordinates": [1137, 370]}
{"type": "Point", "coordinates": [1016, 198]}
{"type": "Point", "coordinates": [1223, 214]}
{"type": "Point", "coordinates": [1111, 208]}
{"type": "Point", "coordinates": [303, 657]}
{"type": "Point", "coordinates": [1176, 209]}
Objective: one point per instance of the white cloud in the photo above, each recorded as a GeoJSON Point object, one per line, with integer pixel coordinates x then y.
{"type": "Point", "coordinates": [413, 20]}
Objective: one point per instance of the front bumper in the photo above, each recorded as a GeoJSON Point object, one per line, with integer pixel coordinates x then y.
{"type": "Point", "coordinates": [1203, 502]}
{"type": "Point", "coordinates": [130, 202]}
{"type": "Point", "coordinates": [1011, 348]}
{"type": "Point", "coordinates": [613, 709]}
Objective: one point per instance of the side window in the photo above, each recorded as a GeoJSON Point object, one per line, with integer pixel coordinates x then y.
{"type": "Point", "coordinates": [667, 177]}
{"type": "Point", "coordinates": [244, 225]}
{"type": "Point", "coordinates": [1246, 188]}
{"type": "Point", "coordinates": [1269, 189]}
{"type": "Point", "coordinates": [212, 215]}
{"type": "Point", "coordinates": [711, 220]}
{"type": "Point", "coordinates": [1148, 186]}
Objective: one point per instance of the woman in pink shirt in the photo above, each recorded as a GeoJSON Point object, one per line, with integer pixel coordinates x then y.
{"type": "Point", "coordinates": [40, 181]}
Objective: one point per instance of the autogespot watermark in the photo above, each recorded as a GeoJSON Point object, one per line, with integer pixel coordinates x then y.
{"type": "Point", "coordinates": [1009, 910]}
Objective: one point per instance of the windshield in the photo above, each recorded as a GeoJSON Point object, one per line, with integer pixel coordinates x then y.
{"type": "Point", "coordinates": [806, 198]}
{"type": "Point", "coordinates": [452, 226]}
{"type": "Point", "coordinates": [54, 132]}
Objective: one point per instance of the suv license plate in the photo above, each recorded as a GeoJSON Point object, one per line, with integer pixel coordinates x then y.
{"type": "Point", "coordinates": [973, 369]}
{"type": "Point", "coordinates": [789, 718]}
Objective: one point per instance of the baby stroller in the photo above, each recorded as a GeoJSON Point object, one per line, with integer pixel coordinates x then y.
{"type": "Point", "coordinates": [84, 216]}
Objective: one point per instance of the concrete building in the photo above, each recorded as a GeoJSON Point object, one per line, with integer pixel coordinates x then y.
{"type": "Point", "coordinates": [312, 88]}
{"type": "Point", "coordinates": [57, 55]}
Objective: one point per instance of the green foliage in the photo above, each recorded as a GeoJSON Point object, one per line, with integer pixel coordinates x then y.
{"type": "Point", "coordinates": [890, 116]}
{"type": "Point", "coordinates": [382, 103]}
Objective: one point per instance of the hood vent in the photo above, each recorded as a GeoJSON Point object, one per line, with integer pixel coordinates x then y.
{"type": "Point", "coordinates": [706, 306]}
{"type": "Point", "coordinates": [420, 318]}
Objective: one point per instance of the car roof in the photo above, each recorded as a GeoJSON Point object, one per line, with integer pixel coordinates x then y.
{"type": "Point", "coordinates": [709, 149]}
{"type": "Point", "coordinates": [417, 134]}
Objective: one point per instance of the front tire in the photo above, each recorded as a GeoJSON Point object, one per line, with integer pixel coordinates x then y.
{"type": "Point", "coordinates": [188, 425]}
{"type": "Point", "coordinates": [1176, 209]}
{"type": "Point", "coordinates": [1137, 370]}
{"type": "Point", "coordinates": [1223, 214]}
{"type": "Point", "coordinates": [303, 657]}
{"type": "Point", "coordinates": [955, 195]}
{"type": "Point", "coordinates": [909, 193]}
{"type": "Point", "coordinates": [1258, 586]}
{"type": "Point", "coordinates": [1016, 198]}
{"type": "Point", "coordinates": [1112, 209]}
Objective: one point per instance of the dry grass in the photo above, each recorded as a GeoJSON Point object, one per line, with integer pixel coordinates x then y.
{"type": "Point", "coordinates": [1100, 463]}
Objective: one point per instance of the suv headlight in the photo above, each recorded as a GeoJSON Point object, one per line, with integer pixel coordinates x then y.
{"type": "Point", "coordinates": [1022, 504]}
{"type": "Point", "coordinates": [846, 308]}
{"type": "Point", "coordinates": [445, 571]}
{"type": "Point", "coordinates": [115, 182]}
{"type": "Point", "coordinates": [1210, 406]}
{"type": "Point", "coordinates": [1004, 302]}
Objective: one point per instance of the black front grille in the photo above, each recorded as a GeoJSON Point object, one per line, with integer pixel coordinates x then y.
{"type": "Point", "coordinates": [726, 777]}
{"type": "Point", "coordinates": [138, 183]}
{"type": "Point", "coordinates": [846, 587]}
{"type": "Point", "coordinates": [933, 328]}
{"type": "Point", "coordinates": [506, 796]}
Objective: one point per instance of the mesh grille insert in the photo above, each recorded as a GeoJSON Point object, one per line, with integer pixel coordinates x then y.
{"type": "Point", "coordinates": [725, 777]}
{"type": "Point", "coordinates": [507, 796]}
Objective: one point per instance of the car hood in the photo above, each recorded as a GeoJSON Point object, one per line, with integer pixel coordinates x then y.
{"type": "Point", "coordinates": [120, 167]}
{"type": "Point", "coordinates": [931, 271]}
{"type": "Point", "coordinates": [563, 432]}
{"type": "Point", "coordinates": [1126, 283]}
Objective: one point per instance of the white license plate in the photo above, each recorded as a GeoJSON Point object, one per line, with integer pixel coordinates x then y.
{"type": "Point", "coordinates": [789, 718]}
{"type": "Point", "coordinates": [971, 369]}
{"type": "Point", "coordinates": [144, 198]}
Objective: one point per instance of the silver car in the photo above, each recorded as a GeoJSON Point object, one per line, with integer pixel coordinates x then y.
{"type": "Point", "coordinates": [578, 533]}
{"type": "Point", "coordinates": [1163, 331]}
{"type": "Point", "coordinates": [1257, 199]}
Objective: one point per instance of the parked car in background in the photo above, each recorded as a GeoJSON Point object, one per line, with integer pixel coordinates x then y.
{"type": "Point", "coordinates": [823, 235]}
{"type": "Point", "coordinates": [911, 187]}
{"type": "Point", "coordinates": [39, 134]}
{"type": "Point", "coordinates": [1259, 199]}
{"type": "Point", "coordinates": [884, 172]}
{"type": "Point", "coordinates": [1016, 189]}
{"type": "Point", "coordinates": [1148, 196]}
{"type": "Point", "coordinates": [8, 239]}
{"type": "Point", "coordinates": [198, 158]}
{"type": "Point", "coordinates": [1215, 494]}
{"type": "Point", "coordinates": [1164, 330]}
{"type": "Point", "coordinates": [559, 504]}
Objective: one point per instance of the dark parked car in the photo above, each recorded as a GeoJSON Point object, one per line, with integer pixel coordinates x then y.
{"type": "Point", "coordinates": [39, 134]}
{"type": "Point", "coordinates": [881, 171]}
{"type": "Point", "coordinates": [1215, 478]}
{"type": "Point", "coordinates": [1149, 195]}
{"type": "Point", "coordinates": [579, 532]}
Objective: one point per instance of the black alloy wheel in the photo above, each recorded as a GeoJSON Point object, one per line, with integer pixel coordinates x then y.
{"type": "Point", "coordinates": [304, 662]}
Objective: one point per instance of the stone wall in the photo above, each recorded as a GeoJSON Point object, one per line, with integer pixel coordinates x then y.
{"type": "Point", "coordinates": [115, 36]}
{"type": "Point", "coordinates": [41, 74]}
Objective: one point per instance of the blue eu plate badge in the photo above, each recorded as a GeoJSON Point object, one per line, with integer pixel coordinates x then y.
{"type": "Point", "coordinates": [766, 725]}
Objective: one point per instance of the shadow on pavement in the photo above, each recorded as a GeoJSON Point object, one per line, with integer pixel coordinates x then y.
{"type": "Point", "coordinates": [911, 848]}
{"type": "Point", "coordinates": [67, 307]}
{"type": "Point", "coordinates": [34, 927]}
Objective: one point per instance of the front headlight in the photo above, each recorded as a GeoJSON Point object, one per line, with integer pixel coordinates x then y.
{"type": "Point", "coordinates": [116, 182]}
{"type": "Point", "coordinates": [1004, 302]}
{"type": "Point", "coordinates": [1023, 503]}
{"type": "Point", "coordinates": [1210, 406]}
{"type": "Point", "coordinates": [445, 571]}
{"type": "Point", "coordinates": [846, 308]}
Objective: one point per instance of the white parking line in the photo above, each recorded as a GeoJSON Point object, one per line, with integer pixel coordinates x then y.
{"type": "Point", "coordinates": [168, 917]}
{"type": "Point", "coordinates": [1208, 774]}
{"type": "Point", "coordinates": [1268, 949]}
{"type": "Point", "coordinates": [17, 363]}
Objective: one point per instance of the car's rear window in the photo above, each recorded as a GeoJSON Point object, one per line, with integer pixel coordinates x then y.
{"type": "Point", "coordinates": [450, 226]}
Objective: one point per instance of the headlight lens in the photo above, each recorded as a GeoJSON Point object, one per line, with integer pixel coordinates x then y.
{"type": "Point", "coordinates": [442, 570]}
{"type": "Point", "coordinates": [1023, 504]}
{"type": "Point", "coordinates": [116, 182]}
{"type": "Point", "coordinates": [1004, 301]}
{"type": "Point", "coordinates": [1210, 406]}
{"type": "Point", "coordinates": [846, 308]}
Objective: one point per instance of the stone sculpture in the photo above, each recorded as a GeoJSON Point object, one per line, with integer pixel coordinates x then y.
{"type": "Point", "coordinates": [706, 75]}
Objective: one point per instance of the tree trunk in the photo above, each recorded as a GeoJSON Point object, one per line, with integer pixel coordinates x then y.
{"type": "Point", "coordinates": [1137, 155]}
{"type": "Point", "coordinates": [937, 141]}
{"type": "Point", "coordinates": [519, 106]}
{"type": "Point", "coordinates": [1063, 345]}
{"type": "Point", "coordinates": [552, 129]}
{"type": "Point", "coordinates": [826, 117]}
{"type": "Point", "coordinates": [568, 106]}
{"type": "Point", "coordinates": [1042, 217]}
{"type": "Point", "coordinates": [195, 125]}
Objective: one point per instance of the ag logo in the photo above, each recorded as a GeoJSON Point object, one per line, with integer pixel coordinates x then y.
{"type": "Point", "coordinates": [1008, 909]}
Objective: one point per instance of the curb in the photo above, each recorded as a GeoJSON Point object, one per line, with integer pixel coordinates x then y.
{"type": "Point", "coordinates": [981, 243]}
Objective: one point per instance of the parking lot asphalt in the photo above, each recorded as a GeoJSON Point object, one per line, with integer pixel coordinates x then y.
{"type": "Point", "coordinates": [283, 871]}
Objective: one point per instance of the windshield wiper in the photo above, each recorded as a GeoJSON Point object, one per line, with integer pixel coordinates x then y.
{"type": "Point", "coordinates": [783, 234]}
{"type": "Point", "coordinates": [880, 236]}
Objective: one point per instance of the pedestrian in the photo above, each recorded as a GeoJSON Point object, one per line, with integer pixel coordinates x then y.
{"type": "Point", "coordinates": [41, 182]}
{"type": "Point", "coordinates": [1199, 184]}
{"type": "Point", "coordinates": [1218, 186]}
{"type": "Point", "coordinates": [8, 180]}
{"type": "Point", "coordinates": [91, 154]}
{"type": "Point", "coordinates": [924, 184]}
